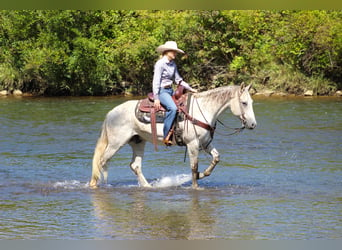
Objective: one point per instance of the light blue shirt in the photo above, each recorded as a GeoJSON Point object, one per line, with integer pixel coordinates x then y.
{"type": "Point", "coordinates": [165, 73]}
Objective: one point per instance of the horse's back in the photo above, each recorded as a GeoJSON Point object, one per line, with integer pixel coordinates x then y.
{"type": "Point", "coordinates": [122, 112]}
{"type": "Point", "coordinates": [125, 106]}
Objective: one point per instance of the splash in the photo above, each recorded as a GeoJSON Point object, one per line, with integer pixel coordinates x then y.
{"type": "Point", "coordinates": [171, 181]}
{"type": "Point", "coordinates": [71, 184]}
{"type": "Point", "coordinates": [167, 181]}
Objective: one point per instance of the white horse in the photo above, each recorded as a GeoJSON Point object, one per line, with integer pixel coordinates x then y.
{"type": "Point", "coordinates": [121, 127]}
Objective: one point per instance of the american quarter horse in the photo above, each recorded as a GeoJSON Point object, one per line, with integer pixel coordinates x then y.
{"type": "Point", "coordinates": [121, 127]}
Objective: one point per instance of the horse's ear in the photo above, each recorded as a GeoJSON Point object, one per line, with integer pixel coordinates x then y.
{"type": "Point", "coordinates": [249, 87]}
{"type": "Point", "coordinates": [242, 87]}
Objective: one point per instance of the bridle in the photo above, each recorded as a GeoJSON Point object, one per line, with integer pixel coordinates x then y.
{"type": "Point", "coordinates": [242, 116]}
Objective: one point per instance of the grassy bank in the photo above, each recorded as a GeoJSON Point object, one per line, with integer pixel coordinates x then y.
{"type": "Point", "coordinates": [287, 81]}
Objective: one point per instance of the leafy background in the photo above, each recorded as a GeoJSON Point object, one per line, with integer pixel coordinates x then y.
{"type": "Point", "coordinates": [101, 52]}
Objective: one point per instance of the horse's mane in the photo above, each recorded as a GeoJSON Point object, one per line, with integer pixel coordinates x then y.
{"type": "Point", "coordinates": [220, 94]}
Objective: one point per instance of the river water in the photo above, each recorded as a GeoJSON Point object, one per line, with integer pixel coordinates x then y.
{"type": "Point", "coordinates": [282, 180]}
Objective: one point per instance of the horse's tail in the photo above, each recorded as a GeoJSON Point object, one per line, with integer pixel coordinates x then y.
{"type": "Point", "coordinates": [101, 145]}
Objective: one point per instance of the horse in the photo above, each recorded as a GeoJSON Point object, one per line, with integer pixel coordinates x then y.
{"type": "Point", "coordinates": [121, 127]}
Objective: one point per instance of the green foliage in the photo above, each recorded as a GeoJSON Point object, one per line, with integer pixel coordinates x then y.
{"type": "Point", "coordinates": [69, 52]}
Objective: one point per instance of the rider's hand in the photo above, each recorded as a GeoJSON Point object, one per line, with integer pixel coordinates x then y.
{"type": "Point", "coordinates": [157, 104]}
{"type": "Point", "coordinates": [193, 90]}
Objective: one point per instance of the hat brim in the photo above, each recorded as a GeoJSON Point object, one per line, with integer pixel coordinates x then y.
{"type": "Point", "coordinates": [163, 48]}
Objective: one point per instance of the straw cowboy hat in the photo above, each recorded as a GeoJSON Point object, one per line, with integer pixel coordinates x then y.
{"type": "Point", "coordinates": [169, 45]}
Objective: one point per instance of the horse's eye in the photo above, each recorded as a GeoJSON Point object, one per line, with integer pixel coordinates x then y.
{"type": "Point", "coordinates": [244, 103]}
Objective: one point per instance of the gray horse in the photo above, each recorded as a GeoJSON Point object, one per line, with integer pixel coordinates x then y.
{"type": "Point", "coordinates": [121, 127]}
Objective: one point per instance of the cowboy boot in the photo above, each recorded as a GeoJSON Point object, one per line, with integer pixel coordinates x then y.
{"type": "Point", "coordinates": [167, 140]}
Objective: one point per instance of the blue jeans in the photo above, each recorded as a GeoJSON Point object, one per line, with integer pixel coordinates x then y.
{"type": "Point", "coordinates": [165, 97]}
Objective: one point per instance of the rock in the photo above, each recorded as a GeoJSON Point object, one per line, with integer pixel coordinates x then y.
{"type": "Point", "coordinates": [128, 93]}
{"type": "Point", "coordinates": [308, 93]}
{"type": "Point", "coordinates": [265, 93]}
{"type": "Point", "coordinates": [338, 93]}
{"type": "Point", "coordinates": [280, 94]}
{"type": "Point", "coordinates": [268, 92]}
{"type": "Point", "coordinates": [3, 92]}
{"type": "Point", "coordinates": [17, 92]}
{"type": "Point", "coordinates": [26, 94]}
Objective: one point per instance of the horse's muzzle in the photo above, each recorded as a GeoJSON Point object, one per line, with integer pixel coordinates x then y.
{"type": "Point", "coordinates": [252, 126]}
{"type": "Point", "coordinates": [246, 124]}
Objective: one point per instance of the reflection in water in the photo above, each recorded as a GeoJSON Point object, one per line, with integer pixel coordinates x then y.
{"type": "Point", "coordinates": [141, 214]}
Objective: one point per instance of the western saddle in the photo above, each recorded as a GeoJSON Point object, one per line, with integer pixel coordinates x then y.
{"type": "Point", "coordinates": [147, 113]}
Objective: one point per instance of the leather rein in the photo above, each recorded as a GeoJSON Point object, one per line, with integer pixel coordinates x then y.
{"type": "Point", "coordinates": [196, 122]}
{"type": "Point", "coordinates": [207, 126]}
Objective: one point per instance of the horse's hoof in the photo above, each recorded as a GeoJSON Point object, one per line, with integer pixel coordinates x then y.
{"type": "Point", "coordinates": [146, 185]}
{"type": "Point", "coordinates": [93, 185]}
{"type": "Point", "coordinates": [196, 187]}
{"type": "Point", "coordinates": [201, 175]}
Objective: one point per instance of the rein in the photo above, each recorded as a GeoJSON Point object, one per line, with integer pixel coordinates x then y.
{"type": "Point", "coordinates": [206, 125]}
{"type": "Point", "coordinates": [242, 118]}
{"type": "Point", "coordinates": [210, 128]}
{"type": "Point", "coordinates": [236, 130]}
{"type": "Point", "coordinates": [197, 122]}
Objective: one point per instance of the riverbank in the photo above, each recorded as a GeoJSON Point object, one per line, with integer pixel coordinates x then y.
{"type": "Point", "coordinates": [15, 93]}
{"type": "Point", "coordinates": [269, 93]}
{"type": "Point", "coordinates": [254, 92]}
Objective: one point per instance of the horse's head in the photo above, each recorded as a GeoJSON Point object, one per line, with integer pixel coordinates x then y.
{"type": "Point", "coordinates": [242, 106]}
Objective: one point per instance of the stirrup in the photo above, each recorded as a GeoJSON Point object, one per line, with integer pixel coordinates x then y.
{"type": "Point", "coordinates": [167, 142]}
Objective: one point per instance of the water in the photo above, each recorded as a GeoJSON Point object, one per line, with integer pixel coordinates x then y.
{"type": "Point", "coordinates": [279, 181]}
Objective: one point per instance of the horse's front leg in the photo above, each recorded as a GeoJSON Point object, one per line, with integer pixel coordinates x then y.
{"type": "Point", "coordinates": [193, 156]}
{"type": "Point", "coordinates": [215, 159]}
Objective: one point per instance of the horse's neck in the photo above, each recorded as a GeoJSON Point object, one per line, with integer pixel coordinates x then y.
{"type": "Point", "coordinates": [212, 103]}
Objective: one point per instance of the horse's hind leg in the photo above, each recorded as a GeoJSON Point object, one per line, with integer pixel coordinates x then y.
{"type": "Point", "coordinates": [107, 155]}
{"type": "Point", "coordinates": [138, 147]}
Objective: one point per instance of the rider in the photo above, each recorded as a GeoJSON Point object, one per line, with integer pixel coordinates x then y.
{"type": "Point", "coordinates": [165, 73]}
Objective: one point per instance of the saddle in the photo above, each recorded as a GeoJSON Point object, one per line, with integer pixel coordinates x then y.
{"type": "Point", "coordinates": [145, 105]}
{"type": "Point", "coordinates": [147, 113]}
